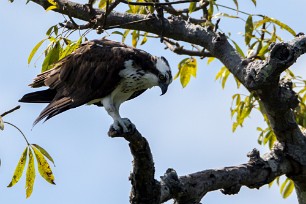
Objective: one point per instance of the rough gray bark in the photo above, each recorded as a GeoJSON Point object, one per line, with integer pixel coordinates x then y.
{"type": "Point", "coordinates": [262, 77]}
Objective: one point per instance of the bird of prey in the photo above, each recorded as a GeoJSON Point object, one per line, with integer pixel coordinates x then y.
{"type": "Point", "coordinates": [101, 72]}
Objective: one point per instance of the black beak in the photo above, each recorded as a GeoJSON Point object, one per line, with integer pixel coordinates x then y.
{"type": "Point", "coordinates": [164, 88]}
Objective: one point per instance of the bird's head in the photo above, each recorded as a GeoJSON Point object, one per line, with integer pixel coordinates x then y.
{"type": "Point", "coordinates": [163, 73]}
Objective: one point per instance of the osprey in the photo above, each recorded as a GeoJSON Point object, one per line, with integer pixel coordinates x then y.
{"type": "Point", "coordinates": [101, 72]}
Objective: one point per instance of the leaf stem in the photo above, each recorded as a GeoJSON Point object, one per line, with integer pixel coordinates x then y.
{"type": "Point", "coordinates": [19, 131]}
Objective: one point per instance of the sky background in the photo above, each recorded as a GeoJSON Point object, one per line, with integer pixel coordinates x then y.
{"type": "Point", "coordinates": [188, 129]}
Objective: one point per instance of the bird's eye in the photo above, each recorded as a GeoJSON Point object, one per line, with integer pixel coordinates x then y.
{"type": "Point", "coordinates": [162, 77]}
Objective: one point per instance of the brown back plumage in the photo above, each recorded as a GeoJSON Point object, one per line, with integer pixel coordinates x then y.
{"type": "Point", "coordinates": [89, 73]}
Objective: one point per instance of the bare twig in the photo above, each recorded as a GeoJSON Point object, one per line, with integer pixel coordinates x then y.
{"type": "Point", "coordinates": [175, 12]}
{"type": "Point", "coordinates": [178, 49]}
{"type": "Point", "coordinates": [10, 111]}
{"type": "Point", "coordinates": [157, 3]}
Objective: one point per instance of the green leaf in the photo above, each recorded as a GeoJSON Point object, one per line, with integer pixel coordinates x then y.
{"type": "Point", "coordinates": [30, 176]}
{"type": "Point", "coordinates": [70, 48]}
{"type": "Point", "coordinates": [118, 33]}
{"type": "Point", "coordinates": [248, 30]}
{"type": "Point", "coordinates": [254, 2]}
{"type": "Point", "coordinates": [51, 57]}
{"type": "Point", "coordinates": [43, 166]}
{"type": "Point", "coordinates": [263, 50]}
{"type": "Point", "coordinates": [34, 50]}
{"type": "Point", "coordinates": [187, 68]}
{"type": "Point", "coordinates": [1, 123]}
{"type": "Point", "coordinates": [19, 168]}
{"type": "Point", "coordinates": [44, 152]}
{"type": "Point", "coordinates": [275, 21]}
{"type": "Point", "coordinates": [192, 7]}
{"type": "Point", "coordinates": [239, 50]}
{"type": "Point", "coordinates": [49, 31]}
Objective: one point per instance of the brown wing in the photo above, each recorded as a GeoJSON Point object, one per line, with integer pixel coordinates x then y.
{"type": "Point", "coordinates": [91, 72]}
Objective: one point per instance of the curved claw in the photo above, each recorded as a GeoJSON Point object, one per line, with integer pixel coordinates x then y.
{"type": "Point", "coordinates": [124, 125]}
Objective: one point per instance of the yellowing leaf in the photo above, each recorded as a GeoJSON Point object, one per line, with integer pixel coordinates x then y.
{"type": "Point", "coordinates": [44, 152]}
{"type": "Point", "coordinates": [192, 7]}
{"type": "Point", "coordinates": [248, 30]}
{"type": "Point", "coordinates": [30, 176]}
{"type": "Point", "coordinates": [210, 59]}
{"type": "Point", "coordinates": [145, 39]}
{"type": "Point", "coordinates": [43, 166]}
{"type": "Point", "coordinates": [236, 3]}
{"type": "Point", "coordinates": [254, 2]}
{"type": "Point", "coordinates": [210, 10]}
{"type": "Point", "coordinates": [1, 123]}
{"type": "Point", "coordinates": [19, 168]}
{"type": "Point", "coordinates": [102, 4]}
{"type": "Point", "coordinates": [52, 2]}
{"type": "Point", "coordinates": [34, 50]}
{"type": "Point", "coordinates": [187, 68]}
{"type": "Point", "coordinates": [135, 37]}
{"type": "Point", "coordinates": [287, 188]}
{"type": "Point", "coordinates": [51, 8]}
{"type": "Point", "coordinates": [126, 32]}
{"type": "Point", "coordinates": [224, 77]}
{"type": "Point", "coordinates": [275, 21]}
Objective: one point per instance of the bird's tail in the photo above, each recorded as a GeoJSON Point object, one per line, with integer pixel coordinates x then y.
{"type": "Point", "coordinates": [54, 108]}
{"type": "Point", "coordinates": [44, 96]}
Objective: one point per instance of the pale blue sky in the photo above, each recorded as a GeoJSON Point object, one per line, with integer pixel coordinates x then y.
{"type": "Point", "coordinates": [188, 129]}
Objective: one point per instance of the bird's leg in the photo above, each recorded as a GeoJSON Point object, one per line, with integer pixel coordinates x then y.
{"type": "Point", "coordinates": [120, 124]}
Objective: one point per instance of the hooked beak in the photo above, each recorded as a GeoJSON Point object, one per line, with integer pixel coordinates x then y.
{"type": "Point", "coordinates": [164, 88]}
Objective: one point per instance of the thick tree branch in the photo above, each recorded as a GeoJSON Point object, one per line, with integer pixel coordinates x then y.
{"type": "Point", "coordinates": [145, 189]}
{"type": "Point", "coordinates": [254, 174]}
{"type": "Point", "coordinates": [174, 28]}
{"type": "Point", "coordinates": [191, 188]}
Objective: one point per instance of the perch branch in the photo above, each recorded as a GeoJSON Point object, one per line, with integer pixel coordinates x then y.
{"type": "Point", "coordinates": [145, 189]}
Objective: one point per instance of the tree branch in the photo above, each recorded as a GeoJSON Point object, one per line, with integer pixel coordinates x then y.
{"type": "Point", "coordinates": [9, 111]}
{"type": "Point", "coordinates": [178, 49]}
{"type": "Point", "coordinates": [145, 189]}
{"type": "Point", "coordinates": [258, 76]}
{"type": "Point", "coordinates": [191, 188]}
